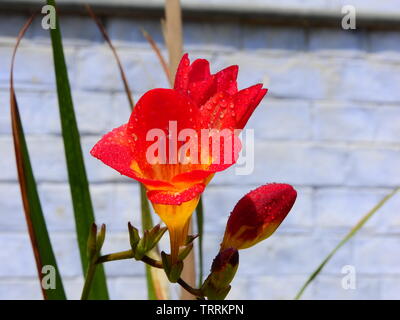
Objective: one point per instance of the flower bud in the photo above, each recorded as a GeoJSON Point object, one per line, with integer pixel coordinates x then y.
{"type": "Point", "coordinates": [141, 245]}
{"type": "Point", "coordinates": [173, 269]}
{"type": "Point", "coordinates": [91, 242]}
{"type": "Point", "coordinates": [95, 241]}
{"type": "Point", "coordinates": [257, 215]}
{"type": "Point", "coordinates": [223, 270]}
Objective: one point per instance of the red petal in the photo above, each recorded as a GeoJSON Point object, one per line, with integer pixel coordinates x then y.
{"type": "Point", "coordinates": [181, 77]}
{"type": "Point", "coordinates": [201, 91]}
{"type": "Point", "coordinates": [115, 149]}
{"type": "Point", "coordinates": [194, 79]}
{"type": "Point", "coordinates": [267, 204]}
{"type": "Point", "coordinates": [200, 174]}
{"type": "Point", "coordinates": [190, 176]}
{"type": "Point", "coordinates": [159, 109]}
{"type": "Point", "coordinates": [226, 79]}
{"type": "Point", "coordinates": [187, 73]}
{"type": "Point", "coordinates": [218, 112]}
{"type": "Point", "coordinates": [246, 101]}
{"type": "Point", "coordinates": [175, 198]}
{"type": "Point", "coordinates": [199, 70]}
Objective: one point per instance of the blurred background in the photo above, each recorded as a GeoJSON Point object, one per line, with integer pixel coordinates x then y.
{"type": "Point", "coordinates": [330, 125]}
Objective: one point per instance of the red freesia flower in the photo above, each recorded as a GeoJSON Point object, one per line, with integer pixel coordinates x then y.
{"type": "Point", "coordinates": [257, 215]}
{"type": "Point", "coordinates": [199, 100]}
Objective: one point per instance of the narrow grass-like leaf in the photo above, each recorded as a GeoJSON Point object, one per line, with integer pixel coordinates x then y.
{"type": "Point", "coordinates": [41, 245]}
{"type": "Point", "coordinates": [157, 50]}
{"type": "Point", "coordinates": [348, 236]}
{"type": "Point", "coordinates": [79, 186]}
{"type": "Point", "coordinates": [200, 222]}
{"type": "Point", "coordinates": [114, 51]}
{"type": "Point", "coordinates": [155, 287]}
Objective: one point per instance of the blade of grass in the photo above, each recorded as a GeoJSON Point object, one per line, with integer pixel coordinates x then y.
{"type": "Point", "coordinates": [200, 221]}
{"type": "Point", "coordinates": [41, 244]}
{"type": "Point", "coordinates": [348, 236]}
{"type": "Point", "coordinates": [79, 186]}
{"type": "Point", "coordinates": [114, 51]}
{"type": "Point", "coordinates": [155, 280]}
{"type": "Point", "coordinates": [157, 50]}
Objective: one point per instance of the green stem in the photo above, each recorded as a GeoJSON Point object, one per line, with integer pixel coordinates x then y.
{"type": "Point", "coordinates": [200, 222]}
{"type": "Point", "coordinates": [89, 280]}
{"type": "Point", "coordinates": [191, 290]}
{"type": "Point", "coordinates": [128, 254]}
{"type": "Point", "coordinates": [153, 263]}
{"type": "Point", "coordinates": [123, 255]}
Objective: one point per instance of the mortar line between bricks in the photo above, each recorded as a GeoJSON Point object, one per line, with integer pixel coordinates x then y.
{"type": "Point", "coordinates": [71, 232]}
{"type": "Point", "coordinates": [348, 145]}
{"type": "Point", "coordinates": [45, 88]}
{"type": "Point", "coordinates": [118, 182]}
{"type": "Point", "coordinates": [331, 236]}
{"type": "Point", "coordinates": [70, 278]}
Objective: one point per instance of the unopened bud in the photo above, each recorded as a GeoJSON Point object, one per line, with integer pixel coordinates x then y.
{"type": "Point", "coordinates": [223, 270]}
{"type": "Point", "coordinates": [257, 215]}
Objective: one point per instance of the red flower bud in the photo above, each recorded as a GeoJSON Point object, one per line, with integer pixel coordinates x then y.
{"type": "Point", "coordinates": [257, 215]}
{"type": "Point", "coordinates": [224, 258]}
{"type": "Point", "coordinates": [223, 270]}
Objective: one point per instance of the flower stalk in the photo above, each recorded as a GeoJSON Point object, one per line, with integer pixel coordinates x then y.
{"type": "Point", "coordinates": [129, 254]}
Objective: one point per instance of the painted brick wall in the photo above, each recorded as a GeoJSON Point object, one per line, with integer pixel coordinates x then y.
{"type": "Point", "coordinates": [330, 125]}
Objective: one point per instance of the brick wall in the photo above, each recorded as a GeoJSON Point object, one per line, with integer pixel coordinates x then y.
{"type": "Point", "coordinates": [330, 125]}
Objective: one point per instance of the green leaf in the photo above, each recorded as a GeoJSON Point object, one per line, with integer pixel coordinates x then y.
{"type": "Point", "coordinates": [200, 222]}
{"type": "Point", "coordinates": [41, 245]}
{"type": "Point", "coordinates": [348, 236]}
{"type": "Point", "coordinates": [79, 187]}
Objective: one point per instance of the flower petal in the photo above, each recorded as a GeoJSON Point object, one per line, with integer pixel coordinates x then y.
{"type": "Point", "coordinates": [226, 79]}
{"type": "Point", "coordinates": [182, 73]}
{"type": "Point", "coordinates": [246, 101]}
{"type": "Point", "coordinates": [199, 70]}
{"type": "Point", "coordinates": [160, 113]}
{"type": "Point", "coordinates": [115, 149]}
{"type": "Point", "coordinates": [175, 198]}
